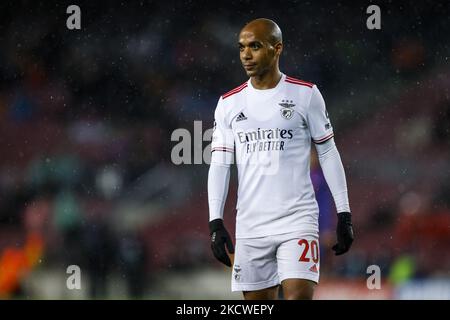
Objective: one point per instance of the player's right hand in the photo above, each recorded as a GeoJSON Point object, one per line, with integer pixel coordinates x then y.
{"type": "Point", "coordinates": [219, 239]}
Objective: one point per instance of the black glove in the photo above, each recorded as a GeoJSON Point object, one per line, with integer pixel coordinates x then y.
{"type": "Point", "coordinates": [344, 233]}
{"type": "Point", "coordinates": [220, 238]}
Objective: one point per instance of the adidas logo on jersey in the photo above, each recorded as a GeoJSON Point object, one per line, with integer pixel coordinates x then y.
{"type": "Point", "coordinates": [241, 117]}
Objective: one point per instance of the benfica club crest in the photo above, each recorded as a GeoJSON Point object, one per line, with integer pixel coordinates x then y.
{"type": "Point", "coordinates": [287, 109]}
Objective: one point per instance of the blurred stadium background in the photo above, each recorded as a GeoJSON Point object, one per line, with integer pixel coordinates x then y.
{"type": "Point", "coordinates": [86, 119]}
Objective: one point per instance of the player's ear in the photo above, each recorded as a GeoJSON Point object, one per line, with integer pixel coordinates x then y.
{"type": "Point", "coordinates": [278, 48]}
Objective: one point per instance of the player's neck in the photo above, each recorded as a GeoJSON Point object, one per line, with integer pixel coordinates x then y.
{"type": "Point", "coordinates": [266, 81]}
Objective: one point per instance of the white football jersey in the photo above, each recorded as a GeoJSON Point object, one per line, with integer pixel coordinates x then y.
{"type": "Point", "coordinates": [270, 131]}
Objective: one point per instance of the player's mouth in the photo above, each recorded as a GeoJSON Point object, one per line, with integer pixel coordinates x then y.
{"type": "Point", "coordinates": [249, 66]}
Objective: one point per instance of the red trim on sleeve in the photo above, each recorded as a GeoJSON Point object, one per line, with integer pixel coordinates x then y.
{"type": "Point", "coordinates": [324, 138]}
{"type": "Point", "coordinates": [224, 149]}
{"type": "Point", "coordinates": [235, 90]}
{"type": "Point", "coordinates": [299, 82]}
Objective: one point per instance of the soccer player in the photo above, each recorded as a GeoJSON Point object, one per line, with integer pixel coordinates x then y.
{"type": "Point", "coordinates": [269, 122]}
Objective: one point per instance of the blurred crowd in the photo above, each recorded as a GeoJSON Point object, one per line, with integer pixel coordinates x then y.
{"type": "Point", "coordinates": [86, 118]}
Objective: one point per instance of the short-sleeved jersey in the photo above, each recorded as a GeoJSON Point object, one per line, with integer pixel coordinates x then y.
{"type": "Point", "coordinates": [270, 131]}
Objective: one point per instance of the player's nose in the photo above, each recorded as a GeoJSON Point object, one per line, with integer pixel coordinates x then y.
{"type": "Point", "coordinates": [246, 54]}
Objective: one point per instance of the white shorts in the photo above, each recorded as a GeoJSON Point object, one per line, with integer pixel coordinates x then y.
{"type": "Point", "coordinates": [266, 261]}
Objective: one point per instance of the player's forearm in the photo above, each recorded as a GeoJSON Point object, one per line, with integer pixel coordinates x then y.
{"type": "Point", "coordinates": [334, 173]}
{"type": "Point", "coordinates": [218, 181]}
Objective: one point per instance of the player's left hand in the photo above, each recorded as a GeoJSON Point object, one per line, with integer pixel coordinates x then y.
{"type": "Point", "coordinates": [344, 232]}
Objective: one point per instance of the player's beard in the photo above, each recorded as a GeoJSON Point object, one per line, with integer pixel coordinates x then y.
{"type": "Point", "coordinates": [251, 72]}
{"type": "Point", "coordinates": [257, 71]}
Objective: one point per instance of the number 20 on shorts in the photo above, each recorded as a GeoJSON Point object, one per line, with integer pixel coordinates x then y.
{"type": "Point", "coordinates": [310, 247]}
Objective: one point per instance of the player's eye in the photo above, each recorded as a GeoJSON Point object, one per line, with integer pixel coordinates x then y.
{"type": "Point", "coordinates": [256, 46]}
{"type": "Point", "coordinates": [241, 47]}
